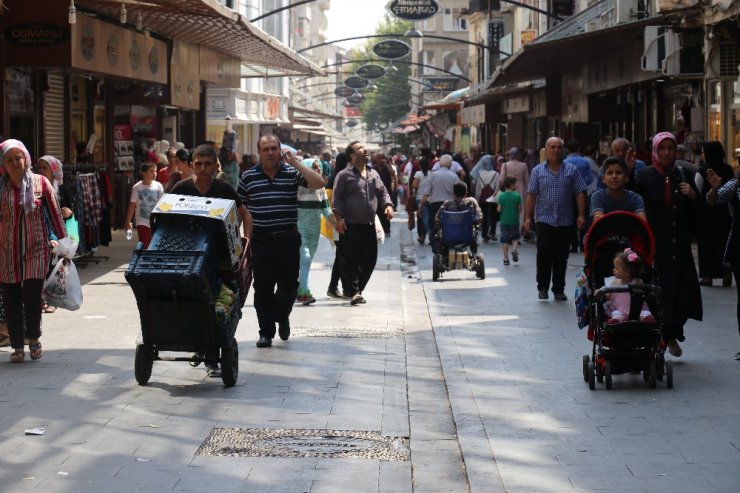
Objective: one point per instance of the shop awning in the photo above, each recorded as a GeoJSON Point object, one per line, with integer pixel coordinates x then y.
{"type": "Point", "coordinates": [301, 111]}
{"type": "Point", "coordinates": [450, 102]}
{"type": "Point", "coordinates": [210, 24]}
{"type": "Point", "coordinates": [500, 92]}
{"type": "Point", "coordinates": [571, 44]}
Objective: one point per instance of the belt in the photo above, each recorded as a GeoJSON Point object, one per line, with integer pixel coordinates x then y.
{"type": "Point", "coordinates": [268, 232]}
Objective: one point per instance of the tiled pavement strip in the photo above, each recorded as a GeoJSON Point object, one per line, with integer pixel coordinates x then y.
{"type": "Point", "coordinates": [518, 418]}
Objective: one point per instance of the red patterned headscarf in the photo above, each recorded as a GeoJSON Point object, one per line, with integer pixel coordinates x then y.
{"type": "Point", "coordinates": [660, 137]}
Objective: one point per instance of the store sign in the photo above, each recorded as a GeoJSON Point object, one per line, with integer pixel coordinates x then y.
{"type": "Point", "coordinates": [351, 123]}
{"type": "Point", "coordinates": [414, 10]}
{"type": "Point", "coordinates": [356, 82]}
{"type": "Point", "coordinates": [370, 71]}
{"type": "Point", "coordinates": [343, 91]}
{"type": "Point", "coordinates": [36, 34]}
{"type": "Point", "coordinates": [528, 36]}
{"type": "Point", "coordinates": [441, 84]}
{"type": "Point", "coordinates": [391, 49]}
{"type": "Point", "coordinates": [113, 49]}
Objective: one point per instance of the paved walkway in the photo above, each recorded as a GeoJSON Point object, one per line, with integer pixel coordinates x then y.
{"type": "Point", "coordinates": [483, 380]}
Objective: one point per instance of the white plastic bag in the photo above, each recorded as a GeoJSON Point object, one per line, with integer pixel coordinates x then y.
{"type": "Point", "coordinates": [379, 232]}
{"type": "Point", "coordinates": [66, 247]}
{"type": "Point", "coordinates": [62, 289]}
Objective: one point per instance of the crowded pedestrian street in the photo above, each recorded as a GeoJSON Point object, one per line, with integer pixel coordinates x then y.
{"type": "Point", "coordinates": [475, 385]}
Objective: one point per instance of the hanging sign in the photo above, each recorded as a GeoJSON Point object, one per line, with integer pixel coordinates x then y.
{"type": "Point", "coordinates": [414, 10]}
{"type": "Point", "coordinates": [391, 49]}
{"type": "Point", "coordinates": [441, 84]}
{"type": "Point", "coordinates": [356, 82]}
{"type": "Point", "coordinates": [370, 71]}
{"type": "Point", "coordinates": [351, 123]}
{"type": "Point", "coordinates": [356, 99]}
{"type": "Point", "coordinates": [343, 91]}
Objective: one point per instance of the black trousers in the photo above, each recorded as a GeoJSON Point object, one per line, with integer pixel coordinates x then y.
{"type": "Point", "coordinates": [359, 253]}
{"type": "Point", "coordinates": [736, 273]}
{"type": "Point", "coordinates": [553, 248]}
{"type": "Point", "coordinates": [336, 269]}
{"type": "Point", "coordinates": [275, 266]}
{"type": "Point", "coordinates": [22, 301]}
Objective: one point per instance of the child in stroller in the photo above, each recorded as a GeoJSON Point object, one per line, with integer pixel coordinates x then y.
{"type": "Point", "coordinates": [627, 270]}
{"type": "Point", "coordinates": [624, 318]}
{"type": "Point", "coordinates": [455, 244]}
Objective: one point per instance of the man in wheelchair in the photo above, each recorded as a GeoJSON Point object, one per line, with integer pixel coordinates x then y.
{"type": "Point", "coordinates": [459, 204]}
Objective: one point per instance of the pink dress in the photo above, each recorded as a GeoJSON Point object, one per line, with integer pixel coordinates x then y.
{"type": "Point", "coordinates": [620, 302]}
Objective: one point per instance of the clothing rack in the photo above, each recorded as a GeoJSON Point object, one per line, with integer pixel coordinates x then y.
{"type": "Point", "coordinates": [82, 259]}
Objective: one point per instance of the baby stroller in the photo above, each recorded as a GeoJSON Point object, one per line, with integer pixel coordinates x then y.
{"type": "Point", "coordinates": [456, 244]}
{"type": "Point", "coordinates": [631, 346]}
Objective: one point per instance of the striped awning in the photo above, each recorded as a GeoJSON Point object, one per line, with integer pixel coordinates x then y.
{"type": "Point", "coordinates": [210, 24]}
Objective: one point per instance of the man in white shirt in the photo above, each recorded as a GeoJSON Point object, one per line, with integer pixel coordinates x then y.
{"type": "Point", "coordinates": [438, 189]}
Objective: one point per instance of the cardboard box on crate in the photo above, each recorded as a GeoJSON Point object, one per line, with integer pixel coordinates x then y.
{"type": "Point", "coordinates": [221, 210]}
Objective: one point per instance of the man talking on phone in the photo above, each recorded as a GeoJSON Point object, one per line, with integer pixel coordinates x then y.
{"type": "Point", "coordinates": [270, 193]}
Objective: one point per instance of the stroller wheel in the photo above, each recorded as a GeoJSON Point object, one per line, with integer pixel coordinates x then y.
{"type": "Point", "coordinates": [480, 267]}
{"type": "Point", "coordinates": [652, 379]}
{"type": "Point", "coordinates": [660, 367]}
{"type": "Point", "coordinates": [608, 375]}
{"type": "Point", "coordinates": [591, 375]}
{"type": "Point", "coordinates": [586, 360]}
{"type": "Point", "coordinates": [669, 374]}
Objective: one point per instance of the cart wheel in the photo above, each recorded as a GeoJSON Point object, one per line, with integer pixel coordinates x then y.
{"type": "Point", "coordinates": [652, 380]}
{"type": "Point", "coordinates": [143, 362]}
{"type": "Point", "coordinates": [436, 260]}
{"type": "Point", "coordinates": [591, 375]}
{"type": "Point", "coordinates": [669, 374]}
{"type": "Point", "coordinates": [608, 375]}
{"type": "Point", "coordinates": [480, 269]}
{"type": "Point", "coordinates": [230, 364]}
{"type": "Point", "coordinates": [660, 367]}
{"type": "Point", "coordinates": [586, 360]}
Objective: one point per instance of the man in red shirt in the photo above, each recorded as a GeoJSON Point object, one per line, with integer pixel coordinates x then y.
{"type": "Point", "coordinates": [163, 176]}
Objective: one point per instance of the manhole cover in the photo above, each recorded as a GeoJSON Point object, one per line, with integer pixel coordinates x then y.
{"type": "Point", "coordinates": [255, 442]}
{"type": "Point", "coordinates": [347, 332]}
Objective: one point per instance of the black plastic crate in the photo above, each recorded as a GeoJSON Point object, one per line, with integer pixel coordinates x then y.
{"type": "Point", "coordinates": [181, 233]}
{"type": "Point", "coordinates": [166, 275]}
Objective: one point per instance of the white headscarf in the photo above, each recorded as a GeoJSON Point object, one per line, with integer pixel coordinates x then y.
{"type": "Point", "coordinates": [57, 174]}
{"type": "Point", "coordinates": [26, 181]}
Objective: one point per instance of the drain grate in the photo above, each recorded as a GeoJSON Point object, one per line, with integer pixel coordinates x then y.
{"type": "Point", "coordinates": [333, 444]}
{"type": "Point", "coordinates": [347, 332]}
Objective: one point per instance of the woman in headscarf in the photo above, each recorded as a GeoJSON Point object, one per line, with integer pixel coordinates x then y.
{"type": "Point", "coordinates": [25, 251]}
{"type": "Point", "coordinates": [484, 173]}
{"type": "Point", "coordinates": [715, 220]}
{"type": "Point", "coordinates": [671, 198]}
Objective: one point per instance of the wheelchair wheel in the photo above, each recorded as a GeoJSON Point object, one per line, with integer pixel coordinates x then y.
{"type": "Point", "coordinates": [480, 267]}
{"type": "Point", "coordinates": [436, 261]}
{"type": "Point", "coordinates": [143, 362]}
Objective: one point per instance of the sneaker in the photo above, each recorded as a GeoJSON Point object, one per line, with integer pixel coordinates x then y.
{"type": "Point", "coordinates": [542, 294]}
{"type": "Point", "coordinates": [264, 342]}
{"type": "Point", "coordinates": [212, 370]}
{"type": "Point", "coordinates": [515, 256]}
{"type": "Point", "coordinates": [356, 300]}
{"type": "Point", "coordinates": [560, 296]}
{"type": "Point", "coordinates": [334, 293]}
{"type": "Point", "coordinates": [674, 348]}
{"type": "Point", "coordinates": [308, 299]}
{"type": "Point", "coordinates": [727, 280]}
{"type": "Point", "coordinates": [737, 356]}
{"type": "Point", "coordinates": [506, 261]}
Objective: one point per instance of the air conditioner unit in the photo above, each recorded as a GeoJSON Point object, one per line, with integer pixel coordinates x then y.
{"type": "Point", "coordinates": [662, 51]}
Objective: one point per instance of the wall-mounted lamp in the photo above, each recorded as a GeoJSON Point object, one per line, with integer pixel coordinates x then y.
{"type": "Point", "coordinates": [124, 17]}
{"type": "Point", "coordinates": [72, 18]}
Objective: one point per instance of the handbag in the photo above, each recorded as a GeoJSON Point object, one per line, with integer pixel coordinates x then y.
{"type": "Point", "coordinates": [379, 233]}
{"type": "Point", "coordinates": [73, 228]}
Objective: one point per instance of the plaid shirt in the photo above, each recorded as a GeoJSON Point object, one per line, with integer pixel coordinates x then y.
{"type": "Point", "coordinates": [554, 193]}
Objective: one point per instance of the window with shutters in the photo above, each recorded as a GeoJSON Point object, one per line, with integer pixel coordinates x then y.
{"type": "Point", "coordinates": [54, 121]}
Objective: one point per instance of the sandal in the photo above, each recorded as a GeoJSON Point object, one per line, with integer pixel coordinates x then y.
{"type": "Point", "coordinates": [17, 356]}
{"type": "Point", "coordinates": [36, 352]}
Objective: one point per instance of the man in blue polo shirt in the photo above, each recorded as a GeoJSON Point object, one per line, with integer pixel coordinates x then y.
{"type": "Point", "coordinates": [270, 193]}
{"type": "Point", "coordinates": [552, 186]}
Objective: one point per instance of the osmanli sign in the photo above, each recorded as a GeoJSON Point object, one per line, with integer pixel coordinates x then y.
{"type": "Point", "coordinates": [414, 10]}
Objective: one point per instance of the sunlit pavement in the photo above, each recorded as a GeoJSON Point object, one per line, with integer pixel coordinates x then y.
{"type": "Point", "coordinates": [484, 380]}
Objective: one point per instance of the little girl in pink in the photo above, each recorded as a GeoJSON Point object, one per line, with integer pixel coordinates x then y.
{"type": "Point", "coordinates": [627, 269]}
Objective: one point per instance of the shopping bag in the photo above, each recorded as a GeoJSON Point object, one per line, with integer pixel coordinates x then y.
{"type": "Point", "coordinates": [379, 232]}
{"type": "Point", "coordinates": [327, 230]}
{"type": "Point", "coordinates": [73, 229]}
{"type": "Point", "coordinates": [62, 288]}
{"type": "Point", "coordinates": [66, 248]}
